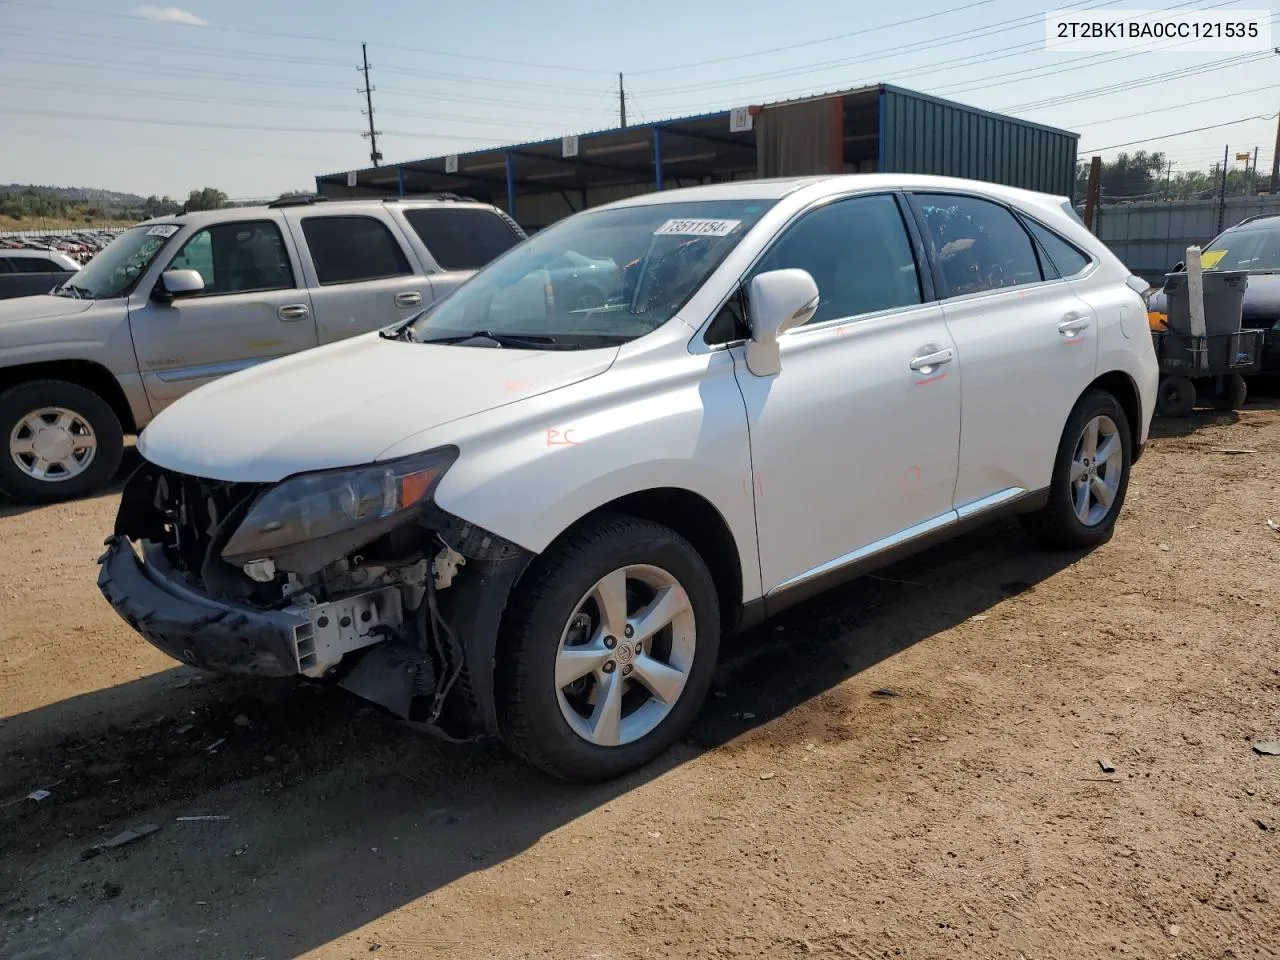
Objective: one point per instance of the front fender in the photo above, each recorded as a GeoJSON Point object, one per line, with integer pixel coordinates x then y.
{"type": "Point", "coordinates": [531, 470]}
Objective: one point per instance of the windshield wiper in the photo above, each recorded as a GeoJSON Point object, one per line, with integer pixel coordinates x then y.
{"type": "Point", "coordinates": [80, 293]}
{"type": "Point", "coordinates": [516, 340]}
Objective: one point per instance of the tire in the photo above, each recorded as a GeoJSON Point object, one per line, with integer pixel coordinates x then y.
{"type": "Point", "coordinates": [1176, 397]}
{"type": "Point", "coordinates": [1059, 524]}
{"type": "Point", "coordinates": [1233, 393]}
{"type": "Point", "coordinates": [553, 610]}
{"type": "Point", "coordinates": [89, 415]}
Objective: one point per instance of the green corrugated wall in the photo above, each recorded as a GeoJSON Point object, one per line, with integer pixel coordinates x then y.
{"type": "Point", "coordinates": [920, 134]}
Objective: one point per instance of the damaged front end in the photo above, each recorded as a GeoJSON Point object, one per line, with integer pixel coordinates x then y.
{"type": "Point", "coordinates": [354, 575]}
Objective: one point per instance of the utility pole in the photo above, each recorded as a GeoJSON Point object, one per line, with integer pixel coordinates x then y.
{"type": "Point", "coordinates": [374, 155]}
{"type": "Point", "coordinates": [1222, 189]}
{"type": "Point", "coordinates": [1092, 193]}
{"type": "Point", "coordinates": [622, 103]}
{"type": "Point", "coordinates": [1168, 179]}
{"type": "Point", "coordinates": [1253, 177]}
{"type": "Point", "coordinates": [1275, 157]}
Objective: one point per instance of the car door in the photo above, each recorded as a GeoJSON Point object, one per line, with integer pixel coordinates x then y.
{"type": "Point", "coordinates": [854, 444]}
{"type": "Point", "coordinates": [251, 309]}
{"type": "Point", "coordinates": [359, 272]}
{"type": "Point", "coordinates": [1028, 344]}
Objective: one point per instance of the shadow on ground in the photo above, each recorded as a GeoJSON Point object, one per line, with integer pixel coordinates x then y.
{"type": "Point", "coordinates": [130, 462]}
{"type": "Point", "coordinates": [338, 814]}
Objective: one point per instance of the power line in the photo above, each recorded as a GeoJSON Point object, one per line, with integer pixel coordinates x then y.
{"type": "Point", "coordinates": [273, 128]}
{"type": "Point", "coordinates": [79, 12]}
{"type": "Point", "coordinates": [1125, 85]}
{"type": "Point", "coordinates": [1180, 133]}
{"type": "Point", "coordinates": [1177, 106]}
{"type": "Point", "coordinates": [898, 52]}
{"type": "Point", "coordinates": [810, 43]}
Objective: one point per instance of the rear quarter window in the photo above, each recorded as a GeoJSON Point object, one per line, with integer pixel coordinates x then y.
{"type": "Point", "coordinates": [462, 238]}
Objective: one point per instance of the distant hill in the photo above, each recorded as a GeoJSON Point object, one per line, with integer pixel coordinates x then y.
{"type": "Point", "coordinates": [26, 206]}
{"type": "Point", "coordinates": [106, 199]}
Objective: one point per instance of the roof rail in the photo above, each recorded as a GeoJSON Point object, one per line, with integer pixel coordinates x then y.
{"type": "Point", "coordinates": [296, 202]}
{"type": "Point", "coordinates": [429, 196]}
{"type": "Point", "coordinates": [1257, 216]}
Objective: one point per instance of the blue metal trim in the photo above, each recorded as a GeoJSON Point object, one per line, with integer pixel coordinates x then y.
{"type": "Point", "coordinates": [400, 178]}
{"type": "Point", "coordinates": [880, 132]}
{"type": "Point", "coordinates": [511, 189]}
{"type": "Point", "coordinates": [657, 156]}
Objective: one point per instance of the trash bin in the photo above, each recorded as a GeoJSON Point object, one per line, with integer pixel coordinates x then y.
{"type": "Point", "coordinates": [1223, 301]}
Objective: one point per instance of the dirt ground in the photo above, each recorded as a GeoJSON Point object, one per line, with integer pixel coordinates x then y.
{"type": "Point", "coordinates": [808, 813]}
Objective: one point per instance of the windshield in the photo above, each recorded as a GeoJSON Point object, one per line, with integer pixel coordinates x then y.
{"type": "Point", "coordinates": [1247, 249]}
{"type": "Point", "coordinates": [596, 279]}
{"type": "Point", "coordinates": [114, 271]}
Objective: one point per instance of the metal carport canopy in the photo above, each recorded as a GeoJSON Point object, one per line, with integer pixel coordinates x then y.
{"type": "Point", "coordinates": [689, 148]}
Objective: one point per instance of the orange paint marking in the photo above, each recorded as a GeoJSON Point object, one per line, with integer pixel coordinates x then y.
{"type": "Point", "coordinates": [562, 438]}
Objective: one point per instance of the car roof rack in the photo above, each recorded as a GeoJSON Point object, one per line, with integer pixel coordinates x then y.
{"type": "Point", "coordinates": [296, 202]}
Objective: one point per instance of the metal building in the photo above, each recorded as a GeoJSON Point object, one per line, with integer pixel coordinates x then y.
{"type": "Point", "coordinates": [879, 128]}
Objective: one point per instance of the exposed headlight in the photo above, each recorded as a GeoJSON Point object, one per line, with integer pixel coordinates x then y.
{"type": "Point", "coordinates": [342, 508]}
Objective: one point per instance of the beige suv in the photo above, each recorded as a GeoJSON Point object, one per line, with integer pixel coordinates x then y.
{"type": "Point", "coordinates": [178, 302]}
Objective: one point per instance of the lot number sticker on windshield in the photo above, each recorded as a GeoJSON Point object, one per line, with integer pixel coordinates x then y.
{"type": "Point", "coordinates": [162, 230]}
{"type": "Point", "coordinates": [697, 228]}
{"type": "Point", "coordinates": [1209, 259]}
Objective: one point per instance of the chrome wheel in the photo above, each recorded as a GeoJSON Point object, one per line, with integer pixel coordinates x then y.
{"type": "Point", "coordinates": [625, 655]}
{"type": "Point", "coordinates": [53, 444]}
{"type": "Point", "coordinates": [1096, 470]}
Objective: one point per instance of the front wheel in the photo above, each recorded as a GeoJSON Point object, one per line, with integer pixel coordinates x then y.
{"type": "Point", "coordinates": [60, 439]}
{"type": "Point", "coordinates": [1090, 477]}
{"type": "Point", "coordinates": [608, 650]}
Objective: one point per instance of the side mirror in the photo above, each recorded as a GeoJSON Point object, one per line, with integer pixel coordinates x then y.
{"type": "Point", "coordinates": [1178, 267]}
{"type": "Point", "coordinates": [779, 300]}
{"type": "Point", "coordinates": [178, 283]}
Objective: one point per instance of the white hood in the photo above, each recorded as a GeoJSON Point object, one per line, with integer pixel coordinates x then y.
{"type": "Point", "coordinates": [41, 306]}
{"type": "Point", "coordinates": [344, 404]}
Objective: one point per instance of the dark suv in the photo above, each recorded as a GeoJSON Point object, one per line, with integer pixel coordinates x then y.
{"type": "Point", "coordinates": [1252, 245]}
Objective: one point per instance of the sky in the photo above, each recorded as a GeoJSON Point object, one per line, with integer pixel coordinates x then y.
{"type": "Point", "coordinates": [255, 98]}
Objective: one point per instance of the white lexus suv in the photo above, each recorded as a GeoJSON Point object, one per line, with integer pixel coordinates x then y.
{"type": "Point", "coordinates": [534, 518]}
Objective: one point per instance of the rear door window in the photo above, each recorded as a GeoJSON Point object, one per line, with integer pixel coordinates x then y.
{"type": "Point", "coordinates": [979, 245]}
{"type": "Point", "coordinates": [1066, 260]}
{"type": "Point", "coordinates": [350, 249]}
{"type": "Point", "coordinates": [461, 238]}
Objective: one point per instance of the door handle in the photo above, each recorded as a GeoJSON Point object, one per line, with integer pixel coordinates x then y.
{"type": "Point", "coordinates": [926, 362]}
{"type": "Point", "coordinates": [410, 298]}
{"type": "Point", "coordinates": [1072, 324]}
{"type": "Point", "coordinates": [293, 311]}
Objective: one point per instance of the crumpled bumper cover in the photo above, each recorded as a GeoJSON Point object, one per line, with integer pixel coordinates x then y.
{"type": "Point", "coordinates": [198, 630]}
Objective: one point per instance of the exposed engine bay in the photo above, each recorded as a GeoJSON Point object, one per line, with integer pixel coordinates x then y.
{"type": "Point", "coordinates": [407, 619]}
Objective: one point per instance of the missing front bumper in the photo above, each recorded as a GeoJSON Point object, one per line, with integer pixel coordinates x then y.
{"type": "Point", "coordinates": [234, 638]}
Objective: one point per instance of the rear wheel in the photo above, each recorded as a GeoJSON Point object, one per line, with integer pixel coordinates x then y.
{"type": "Point", "coordinates": [608, 650]}
{"type": "Point", "coordinates": [1090, 476]}
{"type": "Point", "coordinates": [1232, 393]}
{"type": "Point", "coordinates": [1176, 397]}
{"type": "Point", "coordinates": [60, 440]}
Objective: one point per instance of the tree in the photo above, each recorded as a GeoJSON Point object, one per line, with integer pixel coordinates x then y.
{"type": "Point", "coordinates": [206, 199]}
{"type": "Point", "coordinates": [1138, 176]}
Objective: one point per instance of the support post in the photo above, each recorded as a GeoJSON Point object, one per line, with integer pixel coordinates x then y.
{"type": "Point", "coordinates": [511, 189]}
{"type": "Point", "coordinates": [657, 156]}
{"type": "Point", "coordinates": [1092, 190]}
{"type": "Point", "coordinates": [400, 179]}
{"type": "Point", "coordinates": [1222, 189]}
